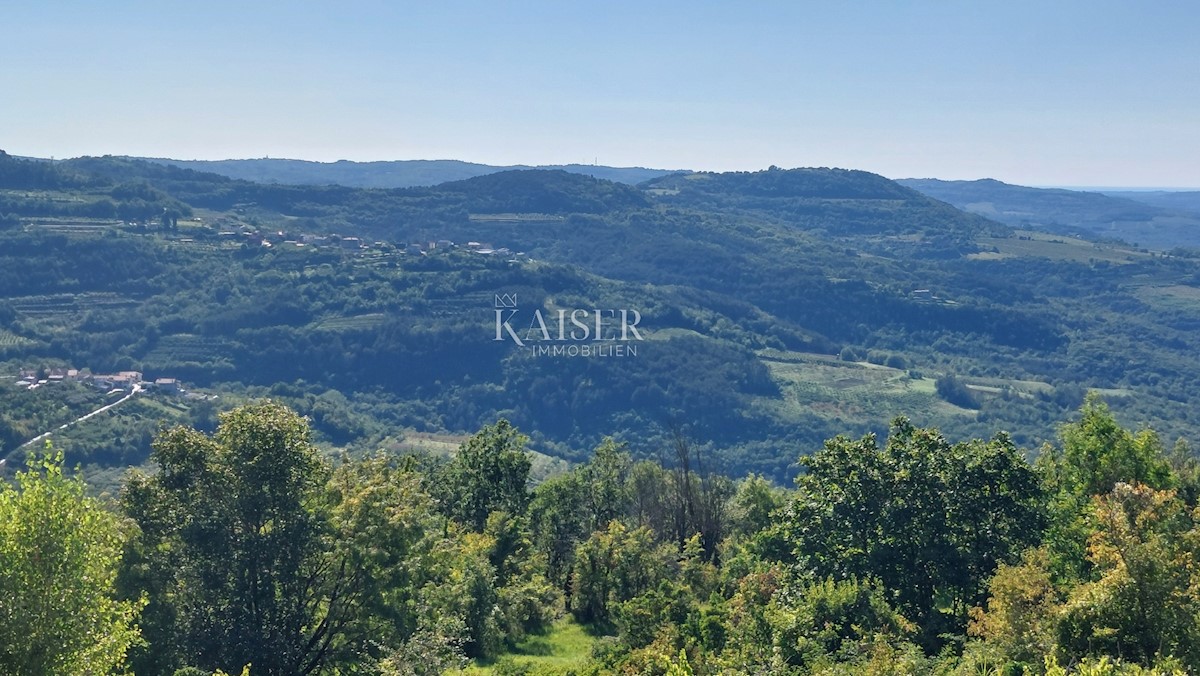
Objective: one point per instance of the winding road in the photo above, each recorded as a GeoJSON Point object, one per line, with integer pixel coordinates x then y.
{"type": "Point", "coordinates": [136, 389]}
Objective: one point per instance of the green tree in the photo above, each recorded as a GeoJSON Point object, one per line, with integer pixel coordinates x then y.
{"type": "Point", "coordinates": [1144, 604]}
{"type": "Point", "coordinates": [387, 535]}
{"type": "Point", "coordinates": [827, 619]}
{"type": "Point", "coordinates": [559, 520]}
{"type": "Point", "coordinates": [929, 519]}
{"type": "Point", "coordinates": [59, 555]}
{"type": "Point", "coordinates": [1022, 609]}
{"type": "Point", "coordinates": [606, 477]}
{"type": "Point", "coordinates": [1096, 454]}
{"type": "Point", "coordinates": [754, 504]}
{"type": "Point", "coordinates": [490, 472]}
{"type": "Point", "coordinates": [612, 566]}
{"type": "Point", "coordinates": [234, 548]}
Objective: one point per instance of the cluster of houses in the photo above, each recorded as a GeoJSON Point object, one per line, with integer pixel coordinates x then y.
{"type": "Point", "coordinates": [108, 382]}
{"type": "Point", "coordinates": [270, 239]}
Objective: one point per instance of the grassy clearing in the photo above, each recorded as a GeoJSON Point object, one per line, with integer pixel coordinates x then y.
{"type": "Point", "coordinates": [1174, 297]}
{"type": "Point", "coordinates": [1027, 243]}
{"type": "Point", "coordinates": [858, 391]}
{"type": "Point", "coordinates": [446, 445]}
{"type": "Point", "coordinates": [813, 383]}
{"type": "Point", "coordinates": [565, 647]}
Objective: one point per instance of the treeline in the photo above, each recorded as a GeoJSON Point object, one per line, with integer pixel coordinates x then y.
{"type": "Point", "coordinates": [912, 555]}
{"type": "Point", "coordinates": [87, 195]}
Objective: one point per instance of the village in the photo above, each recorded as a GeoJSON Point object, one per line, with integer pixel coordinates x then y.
{"type": "Point", "coordinates": [110, 383]}
{"type": "Point", "coordinates": [268, 239]}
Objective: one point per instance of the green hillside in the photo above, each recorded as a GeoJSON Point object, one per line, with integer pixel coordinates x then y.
{"type": "Point", "coordinates": [390, 174]}
{"type": "Point", "coordinates": [779, 308]}
{"type": "Point", "coordinates": [1157, 223]}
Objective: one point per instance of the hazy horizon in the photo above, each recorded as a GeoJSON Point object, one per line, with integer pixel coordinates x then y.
{"type": "Point", "coordinates": [1071, 93]}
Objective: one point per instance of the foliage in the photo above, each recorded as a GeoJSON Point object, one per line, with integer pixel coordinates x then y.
{"type": "Point", "coordinates": [1143, 606]}
{"type": "Point", "coordinates": [489, 473]}
{"type": "Point", "coordinates": [59, 553]}
{"type": "Point", "coordinates": [919, 557]}
{"type": "Point", "coordinates": [612, 566]}
{"type": "Point", "coordinates": [231, 548]}
{"type": "Point", "coordinates": [929, 519]}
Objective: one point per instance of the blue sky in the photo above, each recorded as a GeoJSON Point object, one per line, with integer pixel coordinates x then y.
{"type": "Point", "coordinates": [1038, 93]}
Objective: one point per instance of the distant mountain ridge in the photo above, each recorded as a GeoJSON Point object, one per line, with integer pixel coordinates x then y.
{"type": "Point", "coordinates": [388, 174]}
{"type": "Point", "coordinates": [1148, 221]}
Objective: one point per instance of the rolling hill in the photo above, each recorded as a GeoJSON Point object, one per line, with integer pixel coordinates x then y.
{"type": "Point", "coordinates": [776, 308]}
{"type": "Point", "coordinates": [389, 174]}
{"type": "Point", "coordinates": [1145, 221]}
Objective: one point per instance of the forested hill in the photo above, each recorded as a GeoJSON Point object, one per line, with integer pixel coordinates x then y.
{"type": "Point", "coordinates": [1154, 223]}
{"type": "Point", "coordinates": [839, 201]}
{"type": "Point", "coordinates": [779, 308]}
{"type": "Point", "coordinates": [388, 174]}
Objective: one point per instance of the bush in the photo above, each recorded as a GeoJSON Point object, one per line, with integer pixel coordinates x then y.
{"type": "Point", "coordinates": [956, 392]}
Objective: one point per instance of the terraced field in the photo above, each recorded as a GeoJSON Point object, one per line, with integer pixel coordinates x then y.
{"type": "Point", "coordinates": [52, 305]}
{"type": "Point", "coordinates": [185, 347]}
{"type": "Point", "coordinates": [11, 341]}
{"type": "Point", "coordinates": [358, 322]}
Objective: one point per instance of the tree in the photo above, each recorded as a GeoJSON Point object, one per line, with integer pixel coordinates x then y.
{"type": "Point", "coordinates": [606, 477]}
{"type": "Point", "coordinates": [1144, 605]}
{"type": "Point", "coordinates": [387, 531]}
{"type": "Point", "coordinates": [929, 519]}
{"type": "Point", "coordinates": [612, 566]}
{"type": "Point", "coordinates": [826, 619]}
{"type": "Point", "coordinates": [170, 218]}
{"type": "Point", "coordinates": [489, 473]}
{"type": "Point", "coordinates": [59, 554]}
{"type": "Point", "coordinates": [956, 392]}
{"type": "Point", "coordinates": [754, 505]}
{"type": "Point", "coordinates": [1022, 607]}
{"type": "Point", "coordinates": [234, 548]}
{"type": "Point", "coordinates": [1097, 454]}
{"type": "Point", "coordinates": [559, 521]}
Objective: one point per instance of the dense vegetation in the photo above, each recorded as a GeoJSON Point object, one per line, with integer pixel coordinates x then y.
{"type": "Point", "coordinates": [787, 315]}
{"type": "Point", "coordinates": [247, 548]}
{"type": "Point", "coordinates": [748, 284]}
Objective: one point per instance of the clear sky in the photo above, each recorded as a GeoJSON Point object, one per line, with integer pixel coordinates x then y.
{"type": "Point", "coordinates": [1039, 93]}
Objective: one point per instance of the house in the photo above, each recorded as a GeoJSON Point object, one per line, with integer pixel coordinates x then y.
{"type": "Point", "coordinates": [351, 243]}
{"type": "Point", "coordinates": [167, 385]}
{"type": "Point", "coordinates": [120, 381]}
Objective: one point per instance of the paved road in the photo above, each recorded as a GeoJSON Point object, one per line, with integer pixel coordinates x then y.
{"type": "Point", "coordinates": [102, 409]}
